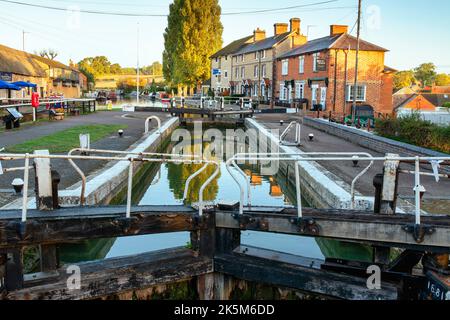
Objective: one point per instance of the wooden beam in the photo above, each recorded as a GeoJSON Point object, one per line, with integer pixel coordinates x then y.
{"type": "Point", "coordinates": [76, 224]}
{"type": "Point", "coordinates": [343, 225]}
{"type": "Point", "coordinates": [279, 273]}
{"type": "Point", "coordinates": [118, 275]}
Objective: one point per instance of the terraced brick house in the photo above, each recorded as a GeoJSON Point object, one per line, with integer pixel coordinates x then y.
{"type": "Point", "coordinates": [254, 67]}
{"type": "Point", "coordinates": [221, 65]}
{"type": "Point", "coordinates": [247, 66]}
{"type": "Point", "coordinates": [321, 72]}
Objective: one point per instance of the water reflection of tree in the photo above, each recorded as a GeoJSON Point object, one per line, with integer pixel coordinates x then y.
{"type": "Point", "coordinates": [179, 173]}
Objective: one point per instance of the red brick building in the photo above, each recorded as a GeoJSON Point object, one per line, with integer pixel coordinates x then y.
{"type": "Point", "coordinates": [322, 72]}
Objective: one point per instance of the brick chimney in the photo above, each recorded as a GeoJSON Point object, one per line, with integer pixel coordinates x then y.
{"type": "Point", "coordinates": [280, 28]}
{"type": "Point", "coordinates": [259, 34]}
{"type": "Point", "coordinates": [338, 29]}
{"type": "Point", "coordinates": [295, 25]}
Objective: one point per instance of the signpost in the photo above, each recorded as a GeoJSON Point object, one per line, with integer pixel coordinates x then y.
{"type": "Point", "coordinates": [321, 65]}
{"type": "Point", "coordinates": [217, 72]}
{"type": "Point", "coordinates": [5, 76]}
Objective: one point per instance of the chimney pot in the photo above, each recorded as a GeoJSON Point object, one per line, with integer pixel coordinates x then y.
{"type": "Point", "coordinates": [259, 34]}
{"type": "Point", "coordinates": [295, 24]}
{"type": "Point", "coordinates": [280, 28]}
{"type": "Point", "coordinates": [338, 29]}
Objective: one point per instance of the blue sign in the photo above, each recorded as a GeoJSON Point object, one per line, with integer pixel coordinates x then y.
{"type": "Point", "coordinates": [217, 72]}
{"type": "Point", "coordinates": [5, 76]}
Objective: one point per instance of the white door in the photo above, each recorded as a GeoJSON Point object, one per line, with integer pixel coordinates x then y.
{"type": "Point", "coordinates": [323, 97]}
{"type": "Point", "coordinates": [314, 95]}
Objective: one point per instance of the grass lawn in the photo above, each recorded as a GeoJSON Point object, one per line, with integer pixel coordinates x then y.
{"type": "Point", "coordinates": [65, 140]}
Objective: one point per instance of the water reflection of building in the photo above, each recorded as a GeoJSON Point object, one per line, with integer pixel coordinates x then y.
{"type": "Point", "coordinates": [275, 189]}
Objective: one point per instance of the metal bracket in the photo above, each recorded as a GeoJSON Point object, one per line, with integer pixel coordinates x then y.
{"type": "Point", "coordinates": [419, 231]}
{"type": "Point", "coordinates": [306, 226]}
{"type": "Point", "coordinates": [126, 223]}
{"type": "Point", "coordinates": [248, 222]}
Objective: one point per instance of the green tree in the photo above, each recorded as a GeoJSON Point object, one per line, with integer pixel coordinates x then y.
{"type": "Point", "coordinates": [193, 34]}
{"type": "Point", "coordinates": [404, 79]}
{"type": "Point", "coordinates": [425, 74]}
{"type": "Point", "coordinates": [442, 79]}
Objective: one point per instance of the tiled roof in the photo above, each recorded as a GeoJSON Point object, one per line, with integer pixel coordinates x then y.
{"type": "Point", "coordinates": [342, 41]}
{"type": "Point", "coordinates": [263, 44]}
{"type": "Point", "coordinates": [232, 47]}
{"type": "Point", "coordinates": [437, 99]}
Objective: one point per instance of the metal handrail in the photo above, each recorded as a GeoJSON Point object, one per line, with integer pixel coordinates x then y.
{"type": "Point", "coordinates": [83, 176]}
{"type": "Point", "coordinates": [297, 134]}
{"type": "Point", "coordinates": [300, 158]}
{"type": "Point", "coordinates": [147, 123]}
{"type": "Point", "coordinates": [353, 154]}
{"type": "Point", "coordinates": [179, 159]}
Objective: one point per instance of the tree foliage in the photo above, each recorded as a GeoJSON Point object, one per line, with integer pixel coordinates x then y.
{"type": "Point", "coordinates": [403, 79]}
{"type": "Point", "coordinates": [193, 34]}
{"type": "Point", "coordinates": [93, 67]}
{"type": "Point", "coordinates": [425, 73]}
{"type": "Point", "coordinates": [442, 79]}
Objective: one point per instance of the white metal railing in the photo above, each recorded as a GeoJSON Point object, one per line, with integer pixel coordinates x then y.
{"type": "Point", "coordinates": [296, 142]}
{"type": "Point", "coordinates": [45, 102]}
{"type": "Point", "coordinates": [147, 124]}
{"type": "Point", "coordinates": [305, 157]}
{"type": "Point", "coordinates": [130, 157]}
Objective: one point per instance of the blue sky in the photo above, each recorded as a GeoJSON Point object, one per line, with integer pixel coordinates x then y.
{"type": "Point", "coordinates": [414, 31]}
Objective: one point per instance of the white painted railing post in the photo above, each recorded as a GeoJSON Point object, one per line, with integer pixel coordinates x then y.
{"type": "Point", "coordinates": [25, 188]}
{"type": "Point", "coordinates": [417, 190]}
{"type": "Point", "coordinates": [130, 188]}
{"type": "Point", "coordinates": [44, 196]}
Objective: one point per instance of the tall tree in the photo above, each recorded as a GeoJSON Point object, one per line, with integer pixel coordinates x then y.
{"type": "Point", "coordinates": [403, 79]}
{"type": "Point", "coordinates": [193, 34]}
{"type": "Point", "coordinates": [442, 79]}
{"type": "Point", "coordinates": [425, 73]}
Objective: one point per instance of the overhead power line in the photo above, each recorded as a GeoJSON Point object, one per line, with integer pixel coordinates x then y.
{"type": "Point", "coordinates": [130, 14]}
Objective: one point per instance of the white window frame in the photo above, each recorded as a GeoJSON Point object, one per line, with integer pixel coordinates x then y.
{"type": "Point", "coordinates": [225, 73]}
{"type": "Point", "coordinates": [242, 58]}
{"type": "Point", "coordinates": [315, 57]}
{"type": "Point", "coordinates": [256, 55]}
{"type": "Point", "coordinates": [255, 90]}
{"type": "Point", "coordinates": [285, 67]}
{"type": "Point", "coordinates": [301, 64]}
{"type": "Point", "coordinates": [282, 91]}
{"type": "Point", "coordinates": [242, 72]}
{"type": "Point", "coordinates": [350, 93]}
{"type": "Point", "coordinates": [236, 72]}
{"type": "Point", "coordinates": [263, 70]}
{"type": "Point", "coordinates": [256, 71]}
{"type": "Point", "coordinates": [263, 54]}
{"type": "Point", "coordinates": [314, 89]}
{"type": "Point", "coordinates": [323, 99]}
{"type": "Point", "coordinates": [300, 88]}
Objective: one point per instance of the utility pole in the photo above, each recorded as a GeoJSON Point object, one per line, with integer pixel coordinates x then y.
{"type": "Point", "coordinates": [23, 39]}
{"type": "Point", "coordinates": [357, 61]}
{"type": "Point", "coordinates": [138, 71]}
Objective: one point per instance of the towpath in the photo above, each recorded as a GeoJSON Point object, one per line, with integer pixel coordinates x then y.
{"type": "Point", "coordinates": [135, 123]}
{"type": "Point", "coordinates": [437, 196]}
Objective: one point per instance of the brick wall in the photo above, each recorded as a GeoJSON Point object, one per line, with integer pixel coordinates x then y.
{"type": "Point", "coordinates": [370, 73]}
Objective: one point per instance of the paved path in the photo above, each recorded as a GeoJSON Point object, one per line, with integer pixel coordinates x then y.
{"type": "Point", "coordinates": [134, 131]}
{"type": "Point", "coordinates": [324, 142]}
